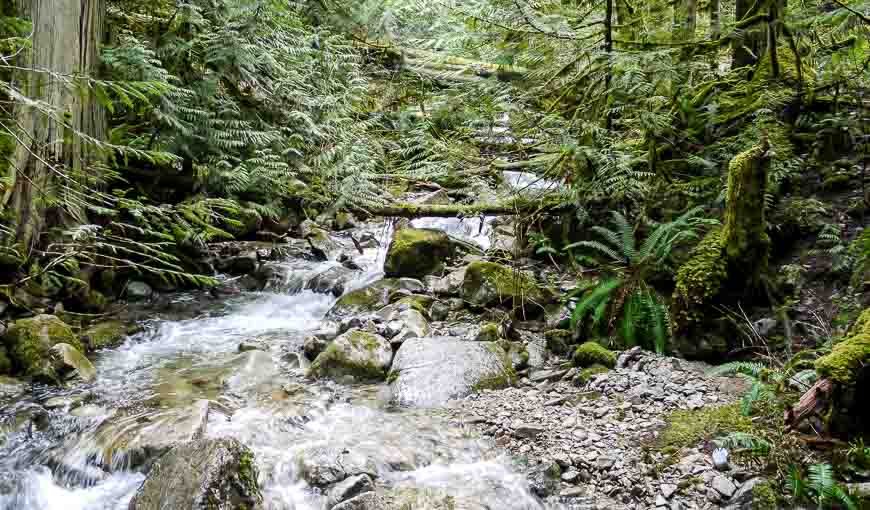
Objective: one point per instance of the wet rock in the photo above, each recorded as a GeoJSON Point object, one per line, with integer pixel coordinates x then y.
{"type": "Point", "coordinates": [430, 371]}
{"type": "Point", "coordinates": [744, 496]}
{"type": "Point", "coordinates": [361, 354]}
{"type": "Point", "coordinates": [557, 341]}
{"type": "Point", "coordinates": [488, 283]}
{"type": "Point", "coordinates": [10, 387]}
{"type": "Point", "coordinates": [322, 246]}
{"type": "Point", "coordinates": [238, 265]}
{"type": "Point", "coordinates": [348, 488]}
{"type": "Point", "coordinates": [416, 252]}
{"type": "Point", "coordinates": [344, 221]}
{"type": "Point", "coordinates": [439, 311]}
{"type": "Point", "coordinates": [449, 285]}
{"type": "Point", "coordinates": [322, 466]}
{"type": "Point", "coordinates": [106, 334]}
{"type": "Point", "coordinates": [528, 430]}
{"type": "Point", "coordinates": [30, 342]}
{"type": "Point", "coordinates": [313, 346]}
{"type": "Point", "coordinates": [489, 332]}
{"type": "Point", "coordinates": [366, 501]}
{"type": "Point", "coordinates": [73, 358]}
{"type": "Point", "coordinates": [332, 281]}
{"type": "Point", "coordinates": [138, 291]}
{"type": "Point", "coordinates": [544, 479]}
{"type": "Point", "coordinates": [202, 475]}
{"type": "Point", "coordinates": [372, 297]}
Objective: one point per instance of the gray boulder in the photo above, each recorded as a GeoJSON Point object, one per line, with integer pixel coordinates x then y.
{"type": "Point", "coordinates": [322, 465]}
{"type": "Point", "coordinates": [430, 371]}
{"type": "Point", "coordinates": [332, 281]}
{"type": "Point", "coordinates": [372, 297]}
{"type": "Point", "coordinates": [203, 475]}
{"type": "Point", "coordinates": [138, 291]}
{"type": "Point", "coordinates": [359, 353]}
{"type": "Point", "coordinates": [349, 488]}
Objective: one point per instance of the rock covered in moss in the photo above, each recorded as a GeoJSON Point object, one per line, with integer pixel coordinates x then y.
{"type": "Point", "coordinates": [586, 375]}
{"type": "Point", "coordinates": [372, 297]}
{"type": "Point", "coordinates": [488, 332]}
{"type": "Point", "coordinates": [416, 252]}
{"type": "Point", "coordinates": [106, 334]}
{"type": "Point", "coordinates": [358, 353]}
{"type": "Point", "coordinates": [30, 342]}
{"type": "Point", "coordinates": [73, 358]}
{"type": "Point", "coordinates": [319, 239]}
{"type": "Point", "coordinates": [488, 283]}
{"type": "Point", "coordinates": [202, 475]}
{"type": "Point", "coordinates": [558, 341]}
{"type": "Point", "coordinates": [430, 371]}
{"type": "Point", "coordinates": [592, 353]}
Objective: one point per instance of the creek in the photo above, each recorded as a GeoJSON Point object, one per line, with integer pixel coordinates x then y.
{"type": "Point", "coordinates": [80, 447]}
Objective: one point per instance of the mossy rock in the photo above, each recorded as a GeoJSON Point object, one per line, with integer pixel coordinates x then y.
{"type": "Point", "coordinates": [372, 297]}
{"type": "Point", "coordinates": [586, 375]}
{"type": "Point", "coordinates": [363, 355]}
{"type": "Point", "coordinates": [558, 341]}
{"type": "Point", "coordinates": [30, 342]}
{"type": "Point", "coordinates": [417, 252]}
{"type": "Point", "coordinates": [419, 302]}
{"type": "Point", "coordinates": [489, 332]}
{"type": "Point", "coordinates": [489, 283]}
{"type": "Point", "coordinates": [592, 353]}
{"type": "Point", "coordinates": [107, 334]}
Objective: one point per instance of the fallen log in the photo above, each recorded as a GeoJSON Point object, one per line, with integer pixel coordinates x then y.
{"type": "Point", "coordinates": [505, 208]}
{"type": "Point", "coordinates": [814, 398]}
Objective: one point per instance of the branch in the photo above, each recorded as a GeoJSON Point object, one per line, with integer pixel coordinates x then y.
{"type": "Point", "coordinates": [863, 17]}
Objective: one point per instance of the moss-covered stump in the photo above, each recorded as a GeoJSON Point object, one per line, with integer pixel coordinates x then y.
{"type": "Point", "coordinates": [30, 343]}
{"type": "Point", "coordinates": [417, 252]}
{"type": "Point", "coordinates": [107, 334]}
{"type": "Point", "coordinates": [848, 359]}
{"type": "Point", "coordinates": [489, 283]}
{"type": "Point", "coordinates": [202, 475]}
{"type": "Point", "coordinates": [363, 355]}
{"type": "Point", "coordinates": [592, 353]}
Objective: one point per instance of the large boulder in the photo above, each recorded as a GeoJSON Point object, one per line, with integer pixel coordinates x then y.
{"type": "Point", "coordinates": [332, 281]}
{"type": "Point", "coordinates": [203, 475]}
{"type": "Point", "coordinates": [488, 283]}
{"type": "Point", "coordinates": [416, 252]}
{"type": "Point", "coordinates": [358, 353]}
{"type": "Point", "coordinates": [30, 343]}
{"type": "Point", "coordinates": [321, 465]}
{"type": "Point", "coordinates": [373, 297]}
{"type": "Point", "coordinates": [430, 371]}
{"type": "Point", "coordinates": [319, 239]}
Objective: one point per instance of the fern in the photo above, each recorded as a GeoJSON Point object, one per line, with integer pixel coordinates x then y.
{"type": "Point", "coordinates": [752, 443]}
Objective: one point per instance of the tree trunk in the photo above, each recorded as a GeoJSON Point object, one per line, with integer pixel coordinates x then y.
{"type": "Point", "coordinates": [715, 32]}
{"type": "Point", "coordinates": [746, 51]}
{"type": "Point", "coordinates": [685, 20]}
{"type": "Point", "coordinates": [52, 163]}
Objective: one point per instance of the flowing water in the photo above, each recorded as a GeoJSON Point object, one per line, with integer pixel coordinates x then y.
{"type": "Point", "coordinates": [75, 448]}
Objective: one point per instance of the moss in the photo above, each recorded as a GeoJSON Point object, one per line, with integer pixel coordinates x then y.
{"type": "Point", "coordinates": [488, 333]}
{"type": "Point", "coordinates": [586, 375]}
{"type": "Point", "coordinates": [369, 298]}
{"type": "Point", "coordinates": [859, 249]}
{"type": "Point", "coordinates": [488, 282]}
{"type": "Point", "coordinates": [107, 334]}
{"type": "Point", "coordinates": [701, 278]}
{"type": "Point", "coordinates": [592, 353]}
{"type": "Point", "coordinates": [417, 302]}
{"type": "Point", "coordinates": [558, 340]}
{"type": "Point", "coordinates": [801, 214]}
{"type": "Point", "coordinates": [766, 496]}
{"type": "Point", "coordinates": [846, 359]}
{"type": "Point", "coordinates": [30, 342]}
{"type": "Point", "coordinates": [416, 252]}
{"type": "Point", "coordinates": [836, 182]}
{"type": "Point", "coordinates": [745, 230]}
{"type": "Point", "coordinates": [687, 429]}
{"type": "Point", "coordinates": [334, 361]}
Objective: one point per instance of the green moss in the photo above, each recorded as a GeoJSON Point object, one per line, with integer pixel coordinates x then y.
{"type": "Point", "coordinates": [846, 359]}
{"type": "Point", "coordinates": [558, 340]}
{"type": "Point", "coordinates": [859, 249]}
{"type": "Point", "coordinates": [416, 252]}
{"type": "Point", "coordinates": [587, 374]}
{"type": "Point", "coordinates": [367, 299]}
{"type": "Point", "coordinates": [107, 334]}
{"type": "Point", "coordinates": [488, 333]}
{"type": "Point", "coordinates": [836, 182]}
{"type": "Point", "coordinates": [745, 229]}
{"type": "Point", "coordinates": [701, 278]}
{"type": "Point", "coordinates": [30, 341]}
{"type": "Point", "coordinates": [488, 282]}
{"type": "Point", "coordinates": [689, 428]}
{"type": "Point", "coordinates": [766, 496]}
{"type": "Point", "coordinates": [417, 302]}
{"type": "Point", "coordinates": [334, 361]}
{"type": "Point", "coordinates": [592, 353]}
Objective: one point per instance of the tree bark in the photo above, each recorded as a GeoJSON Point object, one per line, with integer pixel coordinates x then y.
{"type": "Point", "coordinates": [52, 163]}
{"type": "Point", "coordinates": [715, 32]}
{"type": "Point", "coordinates": [746, 50]}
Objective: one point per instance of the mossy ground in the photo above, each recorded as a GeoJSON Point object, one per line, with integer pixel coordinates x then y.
{"type": "Point", "coordinates": [692, 428]}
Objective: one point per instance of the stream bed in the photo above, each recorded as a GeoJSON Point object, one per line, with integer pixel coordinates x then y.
{"type": "Point", "coordinates": [80, 448]}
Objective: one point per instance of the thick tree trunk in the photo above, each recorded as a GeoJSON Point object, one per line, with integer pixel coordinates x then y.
{"type": "Point", "coordinates": [52, 163]}
{"type": "Point", "coordinates": [746, 51]}
{"type": "Point", "coordinates": [685, 20]}
{"type": "Point", "coordinates": [715, 32]}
